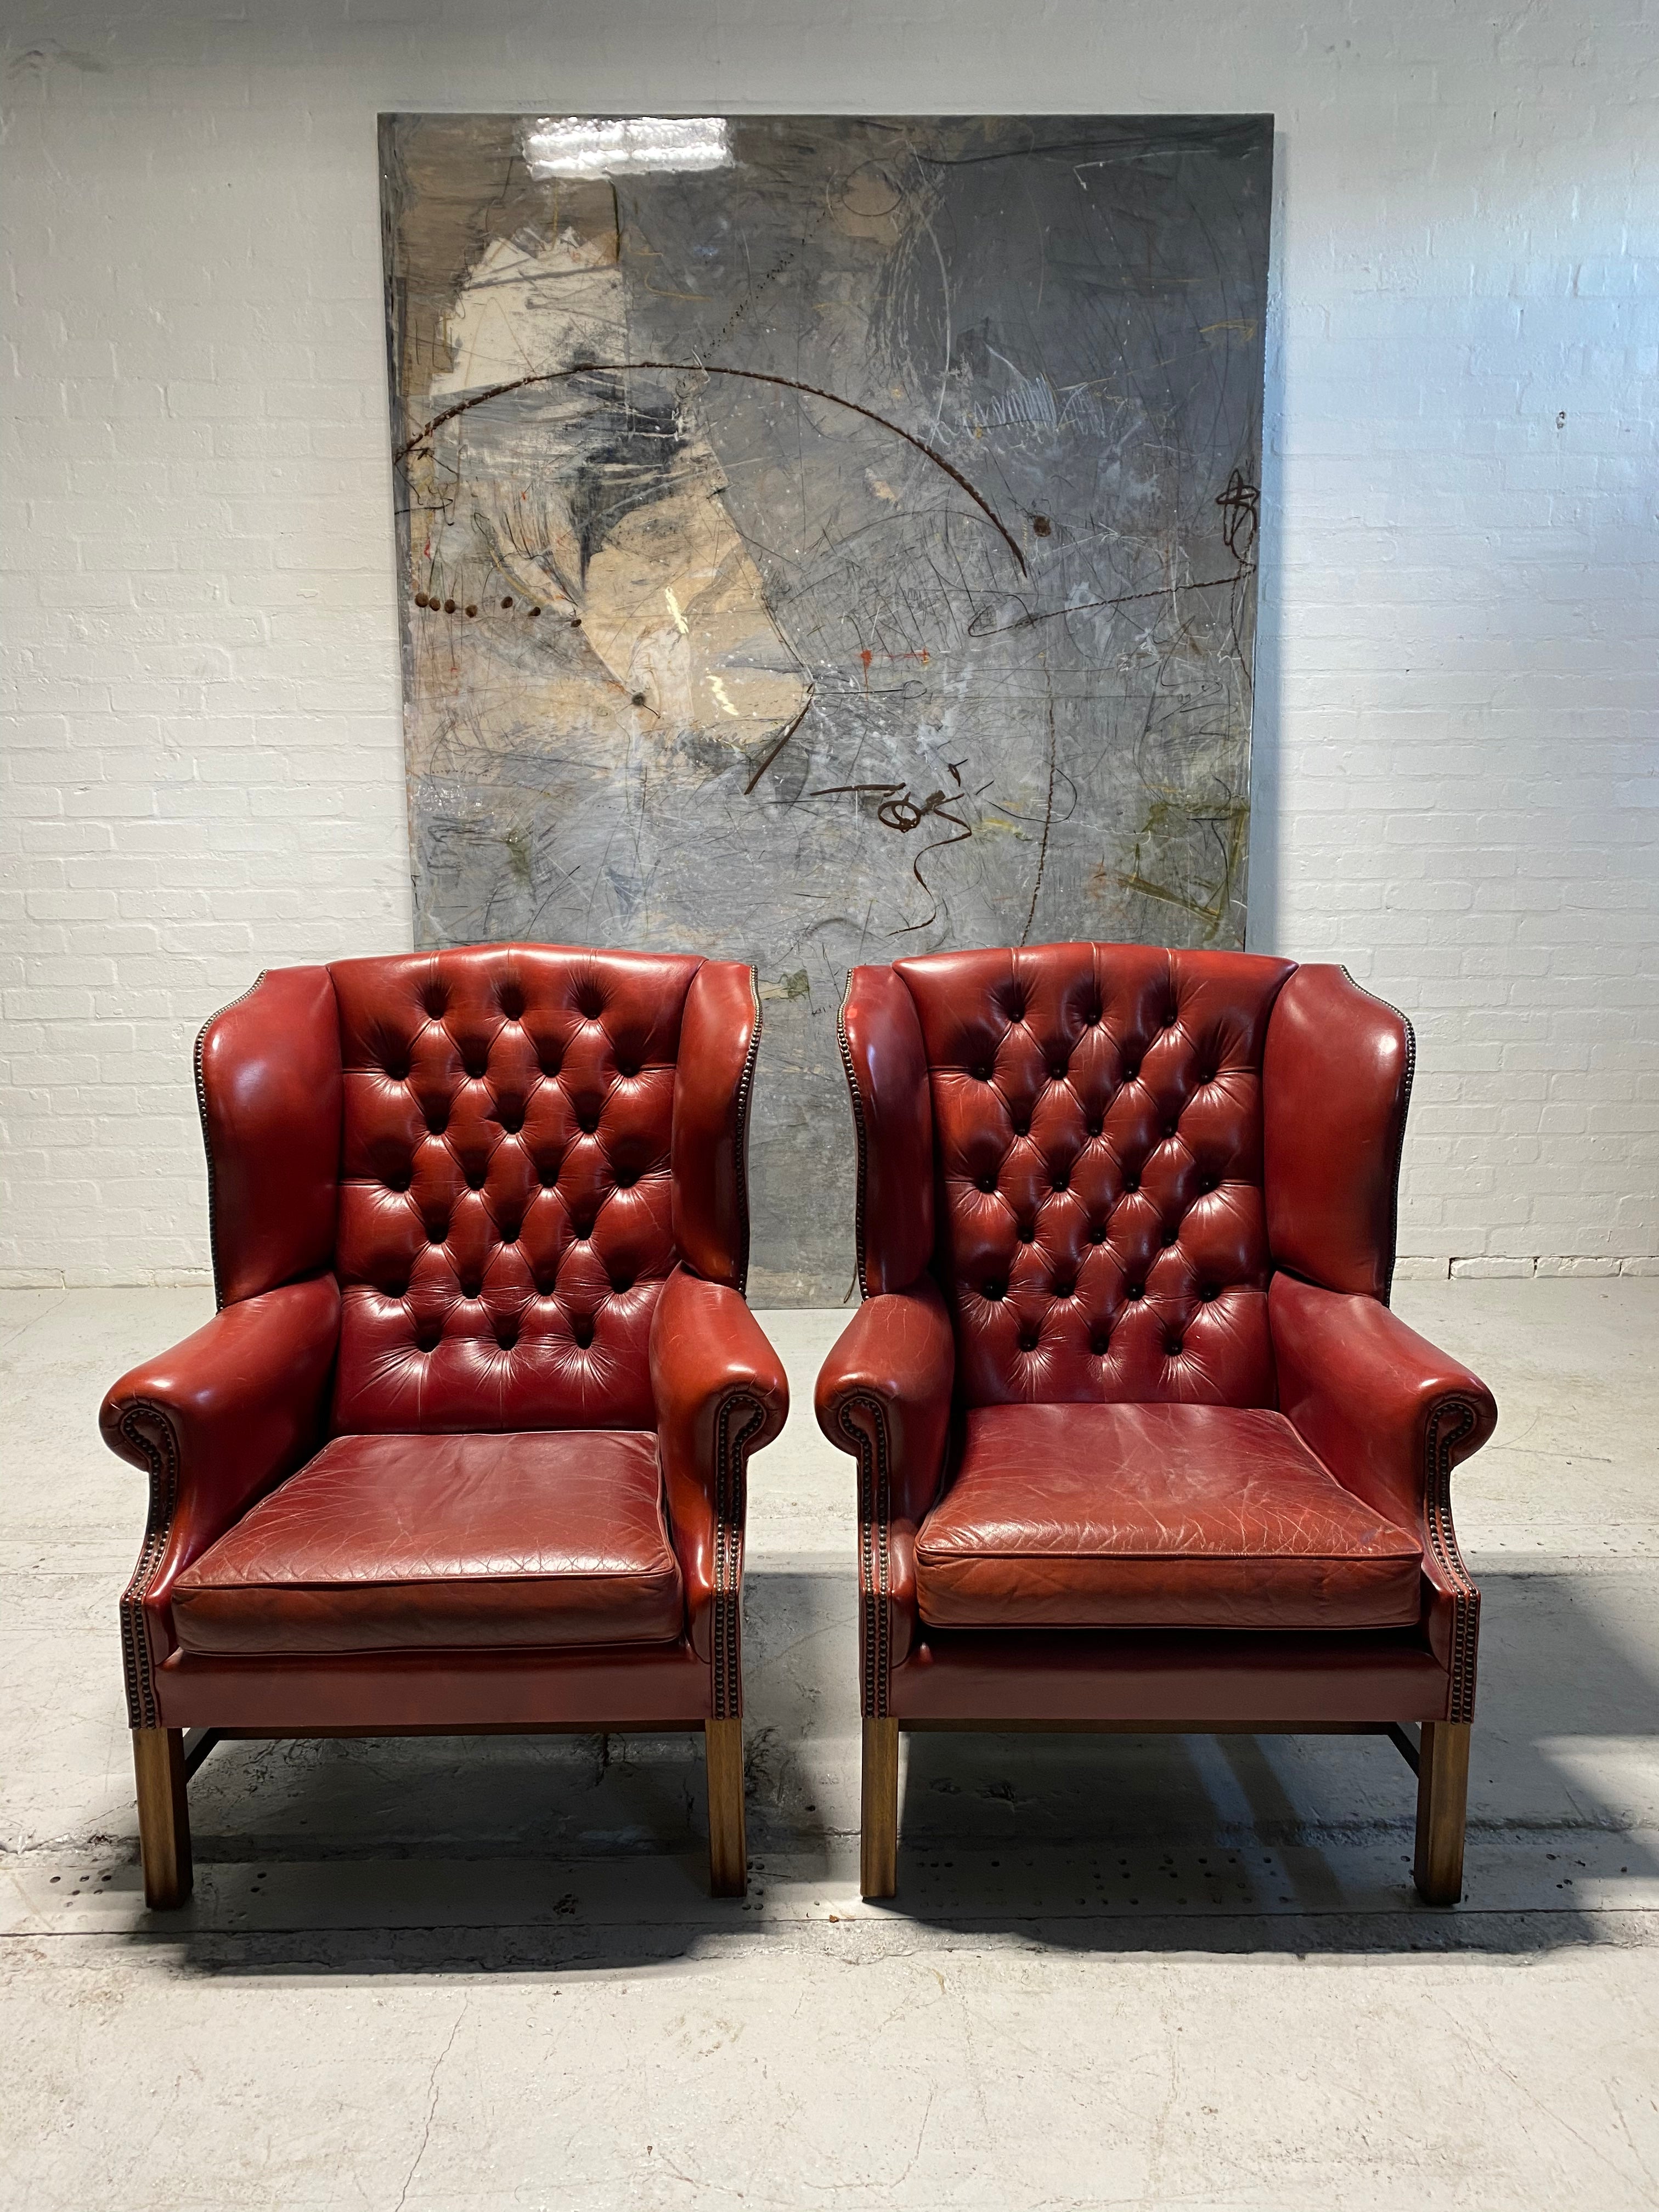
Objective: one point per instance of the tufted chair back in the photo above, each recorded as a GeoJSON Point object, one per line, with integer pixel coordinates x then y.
{"type": "Point", "coordinates": [501, 1152]}
{"type": "Point", "coordinates": [1090, 1120]}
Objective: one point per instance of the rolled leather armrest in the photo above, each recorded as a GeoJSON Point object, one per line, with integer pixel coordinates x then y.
{"type": "Point", "coordinates": [1390, 1416]}
{"type": "Point", "coordinates": [1379, 1404]}
{"type": "Point", "coordinates": [884, 1394]}
{"type": "Point", "coordinates": [720, 1393]}
{"type": "Point", "coordinates": [215, 1422]}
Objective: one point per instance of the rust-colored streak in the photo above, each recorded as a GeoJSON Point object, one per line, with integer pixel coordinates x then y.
{"type": "Point", "coordinates": [748, 789]}
{"type": "Point", "coordinates": [750, 376]}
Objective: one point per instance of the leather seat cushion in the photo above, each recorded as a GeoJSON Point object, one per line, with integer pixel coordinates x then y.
{"type": "Point", "coordinates": [1155, 1517]}
{"type": "Point", "coordinates": [401, 1543]}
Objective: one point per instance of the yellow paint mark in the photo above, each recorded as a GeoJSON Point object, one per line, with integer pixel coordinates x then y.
{"type": "Point", "coordinates": [1245, 330]}
{"type": "Point", "coordinates": [680, 623]}
{"type": "Point", "coordinates": [719, 690]}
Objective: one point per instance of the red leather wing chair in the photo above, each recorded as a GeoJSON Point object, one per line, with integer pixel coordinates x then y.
{"type": "Point", "coordinates": [1140, 1445]}
{"type": "Point", "coordinates": [463, 1448]}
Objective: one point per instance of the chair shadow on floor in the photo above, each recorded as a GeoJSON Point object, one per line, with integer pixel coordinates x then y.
{"type": "Point", "coordinates": [1304, 1843]}
{"type": "Point", "coordinates": [532, 1854]}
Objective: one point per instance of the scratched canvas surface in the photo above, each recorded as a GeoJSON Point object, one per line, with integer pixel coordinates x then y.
{"type": "Point", "coordinates": [837, 545]}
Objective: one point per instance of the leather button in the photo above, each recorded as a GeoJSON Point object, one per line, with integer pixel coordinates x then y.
{"type": "Point", "coordinates": [988, 1182]}
{"type": "Point", "coordinates": [1133, 1290]}
{"type": "Point", "coordinates": [582, 1330]}
{"type": "Point", "coordinates": [1057, 1073]}
{"type": "Point", "coordinates": [1063, 1182]}
{"type": "Point", "coordinates": [628, 1067]}
{"type": "Point", "coordinates": [1028, 1234]}
{"type": "Point", "coordinates": [1022, 1128]}
{"type": "Point", "coordinates": [472, 1289]}
{"type": "Point", "coordinates": [1169, 1019]}
{"type": "Point", "coordinates": [995, 1291]}
{"type": "Point", "coordinates": [433, 1000]}
{"type": "Point", "coordinates": [1208, 1292]}
{"type": "Point", "coordinates": [1207, 1183]}
{"type": "Point", "coordinates": [587, 1123]}
{"type": "Point", "coordinates": [1096, 1126]}
{"type": "Point", "coordinates": [436, 1124]}
{"type": "Point", "coordinates": [1017, 1010]}
{"type": "Point", "coordinates": [1132, 1183]}
{"type": "Point", "coordinates": [511, 1004]}
{"type": "Point", "coordinates": [626, 1178]}
{"type": "Point", "coordinates": [1168, 1238]}
{"type": "Point", "coordinates": [1130, 1074]}
{"type": "Point", "coordinates": [1169, 1128]}
{"type": "Point", "coordinates": [588, 1006]}
{"type": "Point", "coordinates": [398, 1074]}
{"type": "Point", "coordinates": [435, 1235]}
{"type": "Point", "coordinates": [475, 1069]}
{"type": "Point", "coordinates": [619, 1284]}
{"type": "Point", "coordinates": [511, 1120]}
{"type": "Point", "coordinates": [581, 1230]}
{"type": "Point", "coordinates": [1173, 1348]}
{"type": "Point", "coordinates": [981, 1073]}
{"type": "Point", "coordinates": [427, 1337]}
{"type": "Point", "coordinates": [1064, 1290]}
{"type": "Point", "coordinates": [1099, 1346]}
{"type": "Point", "coordinates": [1028, 1343]}
{"type": "Point", "coordinates": [510, 1231]}
{"type": "Point", "coordinates": [1093, 1017]}
{"type": "Point", "coordinates": [1098, 1233]}
{"type": "Point", "coordinates": [507, 1334]}
{"type": "Point", "coordinates": [475, 1183]}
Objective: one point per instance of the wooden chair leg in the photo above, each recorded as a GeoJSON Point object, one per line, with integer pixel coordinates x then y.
{"type": "Point", "coordinates": [158, 1759]}
{"type": "Point", "coordinates": [728, 1849]}
{"type": "Point", "coordinates": [879, 1814]}
{"type": "Point", "coordinates": [1442, 1790]}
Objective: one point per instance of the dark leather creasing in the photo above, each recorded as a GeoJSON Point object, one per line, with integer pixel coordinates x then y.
{"type": "Point", "coordinates": [488, 1148]}
{"type": "Point", "coordinates": [1156, 1516]}
{"type": "Point", "coordinates": [1163, 1197]}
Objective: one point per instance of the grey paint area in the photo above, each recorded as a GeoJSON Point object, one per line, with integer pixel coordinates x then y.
{"type": "Point", "coordinates": [843, 552]}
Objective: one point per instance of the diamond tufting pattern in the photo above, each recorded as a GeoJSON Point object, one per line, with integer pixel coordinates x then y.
{"type": "Point", "coordinates": [506, 1214]}
{"type": "Point", "coordinates": [1100, 1227]}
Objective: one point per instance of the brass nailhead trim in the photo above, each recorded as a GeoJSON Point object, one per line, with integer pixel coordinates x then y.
{"type": "Point", "coordinates": [1452, 1420]}
{"type": "Point", "coordinates": [731, 1455]}
{"type": "Point", "coordinates": [137, 1659]}
{"type": "Point", "coordinates": [875, 1562]}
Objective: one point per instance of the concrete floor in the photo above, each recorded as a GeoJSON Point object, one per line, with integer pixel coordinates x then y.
{"type": "Point", "coordinates": [1127, 1972]}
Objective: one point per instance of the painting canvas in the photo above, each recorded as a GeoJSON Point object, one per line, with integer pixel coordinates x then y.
{"type": "Point", "coordinates": [823, 540]}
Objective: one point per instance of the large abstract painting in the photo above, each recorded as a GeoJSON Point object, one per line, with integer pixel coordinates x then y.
{"type": "Point", "coordinates": [823, 540]}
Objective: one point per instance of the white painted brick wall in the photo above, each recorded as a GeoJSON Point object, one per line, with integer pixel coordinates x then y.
{"type": "Point", "coordinates": [1458, 778]}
